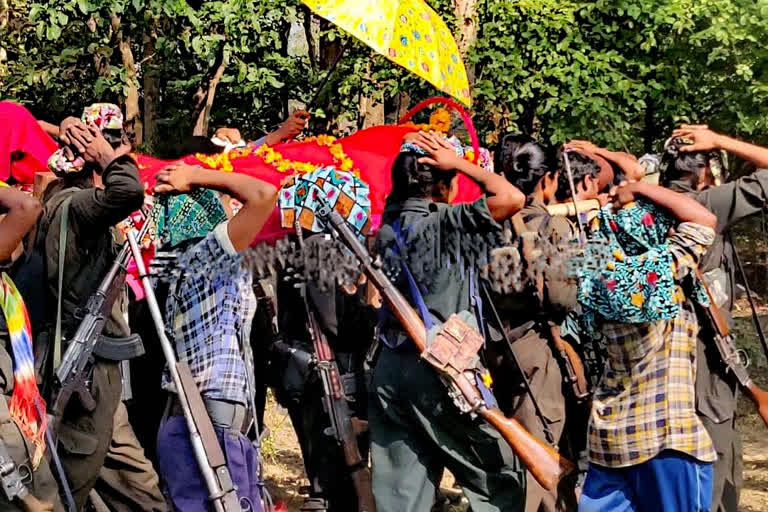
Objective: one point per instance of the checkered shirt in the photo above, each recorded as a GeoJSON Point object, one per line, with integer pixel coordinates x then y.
{"type": "Point", "coordinates": [645, 402]}
{"type": "Point", "coordinates": [209, 310]}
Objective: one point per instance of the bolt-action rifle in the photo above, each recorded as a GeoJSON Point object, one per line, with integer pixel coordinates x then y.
{"type": "Point", "coordinates": [449, 354]}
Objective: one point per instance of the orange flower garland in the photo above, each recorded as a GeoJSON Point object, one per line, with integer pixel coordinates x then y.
{"type": "Point", "coordinates": [341, 160]}
{"type": "Point", "coordinates": [439, 121]}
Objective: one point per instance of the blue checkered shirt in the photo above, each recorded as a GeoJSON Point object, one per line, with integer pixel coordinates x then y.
{"type": "Point", "coordinates": [209, 312]}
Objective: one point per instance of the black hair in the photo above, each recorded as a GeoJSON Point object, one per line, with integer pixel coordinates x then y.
{"type": "Point", "coordinates": [527, 164]}
{"type": "Point", "coordinates": [411, 179]}
{"type": "Point", "coordinates": [684, 165]}
{"type": "Point", "coordinates": [581, 167]}
{"type": "Point", "coordinates": [506, 148]}
{"type": "Point", "coordinates": [196, 144]}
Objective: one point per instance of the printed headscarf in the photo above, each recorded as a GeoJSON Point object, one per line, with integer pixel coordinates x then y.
{"type": "Point", "coordinates": [105, 116]}
{"type": "Point", "coordinates": [178, 218]}
{"type": "Point", "coordinates": [635, 284]}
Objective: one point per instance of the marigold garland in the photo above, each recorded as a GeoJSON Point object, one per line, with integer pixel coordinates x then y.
{"type": "Point", "coordinates": [223, 161]}
{"type": "Point", "coordinates": [439, 121]}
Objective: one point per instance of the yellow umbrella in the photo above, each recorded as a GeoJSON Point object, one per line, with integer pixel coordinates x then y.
{"type": "Point", "coordinates": [407, 32]}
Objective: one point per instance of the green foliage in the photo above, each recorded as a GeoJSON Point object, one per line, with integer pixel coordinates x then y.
{"type": "Point", "coordinates": [621, 72]}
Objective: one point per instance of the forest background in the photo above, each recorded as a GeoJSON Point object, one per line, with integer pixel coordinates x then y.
{"type": "Point", "coordinates": [620, 72]}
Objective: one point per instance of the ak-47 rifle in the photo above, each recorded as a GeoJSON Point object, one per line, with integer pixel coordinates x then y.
{"type": "Point", "coordinates": [345, 427]}
{"type": "Point", "coordinates": [730, 355]}
{"type": "Point", "coordinates": [12, 483]}
{"type": "Point", "coordinates": [450, 353]}
{"type": "Point", "coordinates": [72, 375]}
{"type": "Point", "coordinates": [205, 443]}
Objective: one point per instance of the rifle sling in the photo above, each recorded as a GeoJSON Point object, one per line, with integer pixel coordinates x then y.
{"type": "Point", "coordinates": [63, 225]}
{"type": "Point", "coordinates": [213, 451]}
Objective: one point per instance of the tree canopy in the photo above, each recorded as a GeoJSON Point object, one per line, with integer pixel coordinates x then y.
{"type": "Point", "coordinates": [620, 72]}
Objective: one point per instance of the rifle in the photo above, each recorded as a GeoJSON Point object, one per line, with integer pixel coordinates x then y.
{"type": "Point", "coordinates": [13, 486]}
{"type": "Point", "coordinates": [574, 367]}
{"type": "Point", "coordinates": [71, 377]}
{"type": "Point", "coordinates": [545, 464]}
{"type": "Point", "coordinates": [345, 427]}
{"type": "Point", "coordinates": [205, 443]}
{"type": "Point", "coordinates": [731, 357]}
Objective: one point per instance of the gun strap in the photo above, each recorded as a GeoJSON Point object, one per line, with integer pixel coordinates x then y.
{"type": "Point", "coordinates": [755, 317]}
{"type": "Point", "coordinates": [63, 226]}
{"type": "Point", "coordinates": [526, 383]}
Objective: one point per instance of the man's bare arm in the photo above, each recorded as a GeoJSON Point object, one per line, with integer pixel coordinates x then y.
{"type": "Point", "coordinates": [705, 139]}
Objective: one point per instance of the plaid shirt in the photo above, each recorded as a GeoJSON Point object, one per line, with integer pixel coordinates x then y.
{"type": "Point", "coordinates": [209, 311]}
{"type": "Point", "coordinates": [645, 402]}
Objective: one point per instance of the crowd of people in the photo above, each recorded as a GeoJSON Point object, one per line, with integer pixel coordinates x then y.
{"type": "Point", "coordinates": [619, 362]}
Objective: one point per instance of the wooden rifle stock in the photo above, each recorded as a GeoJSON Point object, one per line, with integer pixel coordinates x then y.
{"type": "Point", "coordinates": [574, 365]}
{"type": "Point", "coordinates": [545, 464]}
{"type": "Point", "coordinates": [730, 356]}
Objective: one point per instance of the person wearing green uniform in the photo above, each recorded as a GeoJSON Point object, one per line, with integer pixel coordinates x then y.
{"type": "Point", "coordinates": [416, 430]}
{"type": "Point", "coordinates": [692, 165]}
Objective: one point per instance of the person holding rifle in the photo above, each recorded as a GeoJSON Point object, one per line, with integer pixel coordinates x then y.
{"type": "Point", "coordinates": [98, 187]}
{"type": "Point", "coordinates": [416, 430]}
{"type": "Point", "coordinates": [209, 311]}
{"type": "Point", "coordinates": [692, 165]}
{"type": "Point", "coordinates": [648, 449]}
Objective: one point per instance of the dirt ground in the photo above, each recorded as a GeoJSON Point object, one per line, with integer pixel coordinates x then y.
{"type": "Point", "coordinates": [285, 474]}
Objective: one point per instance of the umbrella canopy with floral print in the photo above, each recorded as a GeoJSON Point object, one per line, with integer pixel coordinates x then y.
{"type": "Point", "coordinates": [407, 32]}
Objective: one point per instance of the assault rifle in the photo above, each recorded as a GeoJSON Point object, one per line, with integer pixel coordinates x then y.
{"type": "Point", "coordinates": [345, 427]}
{"type": "Point", "coordinates": [449, 354]}
{"type": "Point", "coordinates": [72, 375]}
{"type": "Point", "coordinates": [13, 487]}
{"type": "Point", "coordinates": [205, 443]}
{"type": "Point", "coordinates": [731, 356]}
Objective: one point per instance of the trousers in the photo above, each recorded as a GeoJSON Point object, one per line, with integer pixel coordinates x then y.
{"type": "Point", "coordinates": [417, 431]}
{"type": "Point", "coordinates": [669, 482]}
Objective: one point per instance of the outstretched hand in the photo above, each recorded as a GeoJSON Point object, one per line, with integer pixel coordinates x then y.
{"type": "Point", "coordinates": [442, 154]}
{"type": "Point", "coordinates": [703, 138]}
{"type": "Point", "coordinates": [176, 179]}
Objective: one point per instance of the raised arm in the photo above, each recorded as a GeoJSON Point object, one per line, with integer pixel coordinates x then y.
{"type": "Point", "coordinates": [258, 197]}
{"type": "Point", "coordinates": [21, 212]}
{"type": "Point", "coordinates": [629, 165]}
{"type": "Point", "coordinates": [685, 208]}
{"type": "Point", "coordinates": [705, 139]}
{"type": "Point", "coordinates": [504, 199]}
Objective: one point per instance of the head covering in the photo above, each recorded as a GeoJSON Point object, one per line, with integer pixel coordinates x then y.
{"type": "Point", "coordinates": [343, 191]}
{"type": "Point", "coordinates": [178, 218]}
{"type": "Point", "coordinates": [631, 282]}
{"type": "Point", "coordinates": [413, 148]}
{"type": "Point", "coordinates": [105, 116]}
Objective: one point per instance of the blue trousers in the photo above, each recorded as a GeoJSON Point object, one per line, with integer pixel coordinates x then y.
{"type": "Point", "coordinates": [669, 482]}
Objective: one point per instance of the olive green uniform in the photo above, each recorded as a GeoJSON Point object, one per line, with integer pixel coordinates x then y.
{"type": "Point", "coordinates": [716, 390]}
{"type": "Point", "coordinates": [526, 317]}
{"type": "Point", "coordinates": [416, 430]}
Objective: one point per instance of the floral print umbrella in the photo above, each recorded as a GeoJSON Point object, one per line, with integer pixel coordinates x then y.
{"type": "Point", "coordinates": [407, 32]}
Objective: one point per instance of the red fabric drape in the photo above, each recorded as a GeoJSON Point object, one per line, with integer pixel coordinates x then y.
{"type": "Point", "coordinates": [23, 141]}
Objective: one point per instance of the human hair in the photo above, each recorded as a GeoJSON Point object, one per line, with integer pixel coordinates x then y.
{"type": "Point", "coordinates": [505, 149]}
{"type": "Point", "coordinates": [581, 166]}
{"type": "Point", "coordinates": [691, 166]}
{"type": "Point", "coordinates": [526, 165]}
{"type": "Point", "coordinates": [411, 179]}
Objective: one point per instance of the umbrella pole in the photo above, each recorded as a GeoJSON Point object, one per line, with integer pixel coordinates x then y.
{"type": "Point", "coordinates": [328, 73]}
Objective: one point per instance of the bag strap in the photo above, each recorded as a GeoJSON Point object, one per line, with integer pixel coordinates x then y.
{"type": "Point", "coordinates": [426, 316]}
{"type": "Point", "coordinates": [63, 225]}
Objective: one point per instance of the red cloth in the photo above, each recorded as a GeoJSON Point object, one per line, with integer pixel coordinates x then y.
{"type": "Point", "coordinates": [24, 141]}
{"type": "Point", "coordinates": [372, 150]}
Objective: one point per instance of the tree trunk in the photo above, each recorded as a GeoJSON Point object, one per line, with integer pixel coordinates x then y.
{"type": "Point", "coordinates": [132, 123]}
{"type": "Point", "coordinates": [151, 88]}
{"type": "Point", "coordinates": [206, 92]}
{"type": "Point", "coordinates": [466, 16]}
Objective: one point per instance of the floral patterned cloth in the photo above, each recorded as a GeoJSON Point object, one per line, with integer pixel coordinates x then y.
{"type": "Point", "coordinates": [105, 116]}
{"type": "Point", "coordinates": [187, 216]}
{"type": "Point", "coordinates": [407, 32]}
